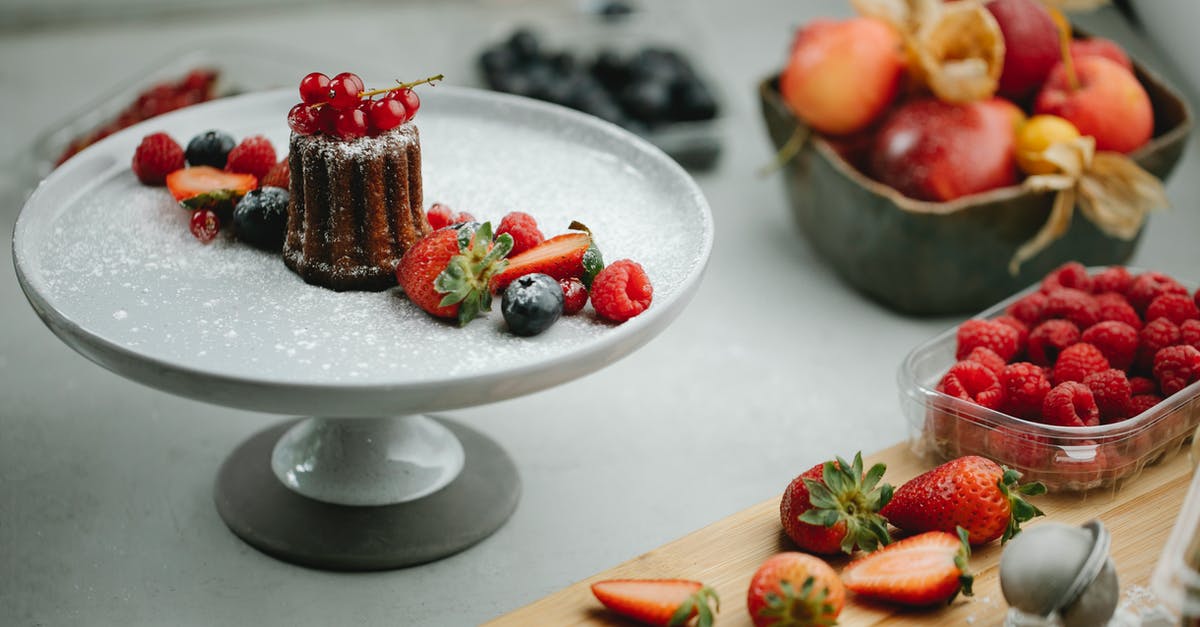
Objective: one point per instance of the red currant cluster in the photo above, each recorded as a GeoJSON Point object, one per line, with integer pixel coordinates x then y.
{"type": "Point", "coordinates": [342, 107]}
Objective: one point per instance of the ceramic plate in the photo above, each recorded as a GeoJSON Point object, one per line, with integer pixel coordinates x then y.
{"type": "Point", "coordinates": [111, 267]}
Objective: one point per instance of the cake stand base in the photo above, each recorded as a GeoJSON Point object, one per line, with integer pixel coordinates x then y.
{"type": "Point", "coordinates": [279, 522]}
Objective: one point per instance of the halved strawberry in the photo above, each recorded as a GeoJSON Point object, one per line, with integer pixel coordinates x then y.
{"type": "Point", "coordinates": [447, 272]}
{"type": "Point", "coordinates": [570, 255]}
{"type": "Point", "coordinates": [920, 570]}
{"type": "Point", "coordinates": [659, 601]}
{"type": "Point", "coordinates": [205, 187]}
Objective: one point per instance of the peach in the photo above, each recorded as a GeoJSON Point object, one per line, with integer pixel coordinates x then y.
{"type": "Point", "coordinates": [1031, 45]}
{"type": "Point", "coordinates": [1100, 47]}
{"type": "Point", "coordinates": [843, 74]}
{"type": "Point", "coordinates": [1109, 103]}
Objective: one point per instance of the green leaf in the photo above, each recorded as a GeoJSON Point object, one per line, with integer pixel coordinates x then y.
{"type": "Point", "coordinates": [593, 263]}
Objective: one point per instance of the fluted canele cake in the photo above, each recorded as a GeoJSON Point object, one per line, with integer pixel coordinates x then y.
{"type": "Point", "coordinates": [355, 208]}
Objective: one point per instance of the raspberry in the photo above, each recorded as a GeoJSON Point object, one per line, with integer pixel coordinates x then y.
{"type": "Point", "coordinates": [987, 357]}
{"type": "Point", "coordinates": [1145, 287]}
{"type": "Point", "coordinates": [621, 291]}
{"type": "Point", "coordinates": [1175, 307]}
{"type": "Point", "coordinates": [1074, 305]}
{"type": "Point", "coordinates": [523, 229]}
{"type": "Point", "coordinates": [1114, 279]}
{"type": "Point", "coordinates": [1017, 449]}
{"type": "Point", "coordinates": [1070, 404]}
{"type": "Point", "coordinates": [974, 382]}
{"type": "Point", "coordinates": [1113, 306]}
{"type": "Point", "coordinates": [1049, 338]}
{"type": "Point", "coordinates": [1022, 331]}
{"type": "Point", "coordinates": [1025, 386]}
{"type": "Point", "coordinates": [997, 336]}
{"type": "Point", "coordinates": [1176, 367]}
{"type": "Point", "coordinates": [1071, 275]}
{"type": "Point", "coordinates": [1112, 393]}
{"type": "Point", "coordinates": [1142, 402]}
{"type": "Point", "coordinates": [1117, 340]}
{"type": "Point", "coordinates": [1157, 335]}
{"type": "Point", "coordinates": [1078, 361]}
{"type": "Point", "coordinates": [575, 295]}
{"type": "Point", "coordinates": [280, 175]}
{"type": "Point", "coordinates": [1189, 333]}
{"type": "Point", "coordinates": [441, 216]}
{"type": "Point", "coordinates": [1028, 309]}
{"type": "Point", "coordinates": [157, 156]}
{"type": "Point", "coordinates": [1142, 385]}
{"type": "Point", "coordinates": [255, 155]}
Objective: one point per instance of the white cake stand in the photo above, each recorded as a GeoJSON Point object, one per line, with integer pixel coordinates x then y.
{"type": "Point", "coordinates": [368, 480]}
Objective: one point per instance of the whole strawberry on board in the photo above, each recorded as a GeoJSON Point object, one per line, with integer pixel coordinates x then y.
{"type": "Point", "coordinates": [919, 570]}
{"type": "Point", "coordinates": [665, 602]}
{"type": "Point", "coordinates": [447, 272]}
{"type": "Point", "coordinates": [972, 493]}
{"type": "Point", "coordinates": [835, 507]}
{"type": "Point", "coordinates": [795, 590]}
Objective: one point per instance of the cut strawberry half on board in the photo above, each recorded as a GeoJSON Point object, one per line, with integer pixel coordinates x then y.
{"type": "Point", "coordinates": [570, 255]}
{"type": "Point", "coordinates": [920, 570]}
{"type": "Point", "coordinates": [659, 601]}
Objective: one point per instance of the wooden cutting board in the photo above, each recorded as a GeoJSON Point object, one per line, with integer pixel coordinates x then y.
{"type": "Point", "coordinates": [725, 554]}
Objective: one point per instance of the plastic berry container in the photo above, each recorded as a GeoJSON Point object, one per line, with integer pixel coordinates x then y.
{"type": "Point", "coordinates": [1065, 459]}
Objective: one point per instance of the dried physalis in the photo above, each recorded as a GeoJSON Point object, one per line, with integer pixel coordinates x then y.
{"type": "Point", "coordinates": [955, 48]}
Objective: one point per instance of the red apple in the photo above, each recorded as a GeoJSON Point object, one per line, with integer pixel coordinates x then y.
{"type": "Point", "coordinates": [1109, 103]}
{"type": "Point", "coordinates": [842, 75]}
{"type": "Point", "coordinates": [1100, 47]}
{"type": "Point", "coordinates": [934, 150]}
{"type": "Point", "coordinates": [1031, 45]}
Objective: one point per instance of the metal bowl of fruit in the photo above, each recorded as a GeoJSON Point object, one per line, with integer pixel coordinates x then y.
{"type": "Point", "coordinates": [923, 204]}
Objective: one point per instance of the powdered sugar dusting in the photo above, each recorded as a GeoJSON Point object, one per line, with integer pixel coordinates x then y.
{"type": "Point", "coordinates": [118, 260]}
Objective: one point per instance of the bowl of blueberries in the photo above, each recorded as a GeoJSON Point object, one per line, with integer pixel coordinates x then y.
{"type": "Point", "coordinates": [609, 68]}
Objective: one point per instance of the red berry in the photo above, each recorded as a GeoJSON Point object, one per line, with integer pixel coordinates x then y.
{"type": "Point", "coordinates": [1022, 331]}
{"type": "Point", "coordinates": [1071, 304]}
{"type": "Point", "coordinates": [1078, 361]}
{"type": "Point", "coordinates": [1049, 338]}
{"type": "Point", "coordinates": [1070, 404]}
{"type": "Point", "coordinates": [1189, 333]}
{"type": "Point", "coordinates": [353, 79]}
{"type": "Point", "coordinates": [1142, 385]}
{"type": "Point", "coordinates": [621, 291]}
{"type": "Point", "coordinates": [204, 225]}
{"type": "Point", "coordinates": [523, 229]}
{"type": "Point", "coordinates": [409, 99]}
{"type": "Point", "coordinates": [1029, 308]}
{"type": "Point", "coordinates": [972, 381]}
{"type": "Point", "coordinates": [280, 175]}
{"type": "Point", "coordinates": [1155, 336]}
{"type": "Point", "coordinates": [1114, 279]}
{"type": "Point", "coordinates": [386, 114]}
{"type": "Point", "coordinates": [1143, 402]}
{"type": "Point", "coordinates": [1025, 387]}
{"type": "Point", "coordinates": [1019, 449]}
{"type": "Point", "coordinates": [304, 119]}
{"type": "Point", "coordinates": [1117, 340]}
{"type": "Point", "coordinates": [1113, 306]}
{"type": "Point", "coordinates": [255, 155]}
{"type": "Point", "coordinates": [344, 90]}
{"type": "Point", "coordinates": [1071, 274]}
{"type": "Point", "coordinates": [1145, 287]}
{"type": "Point", "coordinates": [1176, 367]}
{"type": "Point", "coordinates": [1112, 392]}
{"type": "Point", "coordinates": [155, 157]}
{"type": "Point", "coordinates": [575, 295]}
{"type": "Point", "coordinates": [350, 124]}
{"type": "Point", "coordinates": [439, 216]}
{"type": "Point", "coordinates": [314, 88]}
{"type": "Point", "coordinates": [1175, 307]}
{"type": "Point", "coordinates": [997, 336]}
{"type": "Point", "coordinates": [987, 357]}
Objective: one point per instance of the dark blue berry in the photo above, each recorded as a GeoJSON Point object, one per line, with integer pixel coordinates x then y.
{"type": "Point", "coordinates": [260, 217]}
{"type": "Point", "coordinates": [209, 148]}
{"type": "Point", "coordinates": [531, 304]}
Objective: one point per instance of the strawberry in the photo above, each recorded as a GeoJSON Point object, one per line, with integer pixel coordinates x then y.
{"type": "Point", "coordinates": [972, 492]}
{"type": "Point", "coordinates": [834, 507]}
{"type": "Point", "coordinates": [659, 601]}
{"type": "Point", "coordinates": [920, 570]}
{"type": "Point", "coordinates": [795, 590]}
{"type": "Point", "coordinates": [447, 272]}
{"type": "Point", "coordinates": [205, 187]}
{"type": "Point", "coordinates": [570, 255]}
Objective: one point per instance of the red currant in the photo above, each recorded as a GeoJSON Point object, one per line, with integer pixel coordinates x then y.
{"type": "Point", "coordinates": [351, 76]}
{"type": "Point", "coordinates": [409, 99]}
{"type": "Point", "coordinates": [350, 124]}
{"type": "Point", "coordinates": [387, 114]}
{"type": "Point", "coordinates": [327, 118]}
{"type": "Point", "coordinates": [204, 225]}
{"type": "Point", "coordinates": [314, 88]}
{"type": "Point", "coordinates": [575, 295]}
{"type": "Point", "coordinates": [343, 92]}
{"type": "Point", "coordinates": [304, 119]}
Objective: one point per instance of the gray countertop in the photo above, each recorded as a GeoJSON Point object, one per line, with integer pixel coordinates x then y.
{"type": "Point", "coordinates": [106, 512]}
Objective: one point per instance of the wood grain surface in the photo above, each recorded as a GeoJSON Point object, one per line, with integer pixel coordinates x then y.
{"type": "Point", "coordinates": [725, 554]}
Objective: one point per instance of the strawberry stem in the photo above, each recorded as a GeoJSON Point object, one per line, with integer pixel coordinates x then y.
{"type": "Point", "coordinates": [1021, 510]}
{"type": "Point", "coordinates": [846, 494]}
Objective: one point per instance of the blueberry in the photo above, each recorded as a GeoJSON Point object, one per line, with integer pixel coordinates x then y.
{"type": "Point", "coordinates": [610, 68]}
{"type": "Point", "coordinates": [209, 148]}
{"type": "Point", "coordinates": [692, 101]}
{"type": "Point", "coordinates": [524, 44]}
{"type": "Point", "coordinates": [260, 217]}
{"type": "Point", "coordinates": [647, 100]}
{"type": "Point", "coordinates": [531, 304]}
{"type": "Point", "coordinates": [496, 61]}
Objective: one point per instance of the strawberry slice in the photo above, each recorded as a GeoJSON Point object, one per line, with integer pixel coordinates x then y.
{"type": "Point", "coordinates": [919, 570]}
{"type": "Point", "coordinates": [658, 601]}
{"type": "Point", "coordinates": [202, 179]}
{"type": "Point", "coordinates": [570, 255]}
